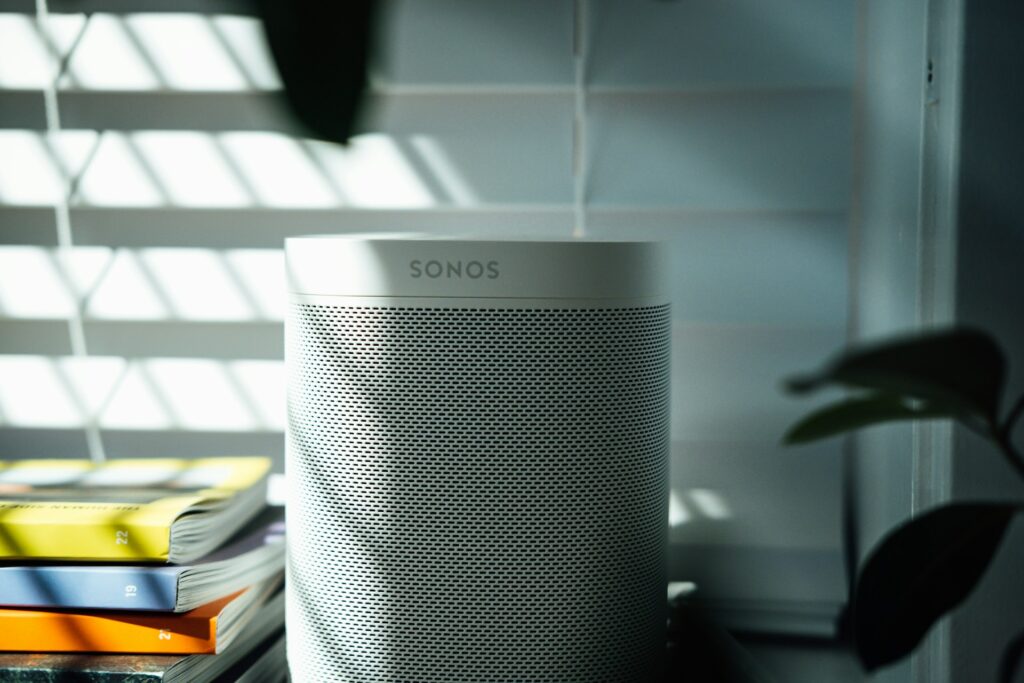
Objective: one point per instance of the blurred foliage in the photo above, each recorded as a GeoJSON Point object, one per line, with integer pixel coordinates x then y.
{"type": "Point", "coordinates": [929, 564]}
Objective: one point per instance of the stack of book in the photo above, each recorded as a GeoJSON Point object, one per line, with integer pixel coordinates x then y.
{"type": "Point", "coordinates": [140, 570]}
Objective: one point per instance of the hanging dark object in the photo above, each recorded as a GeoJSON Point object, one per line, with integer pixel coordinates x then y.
{"type": "Point", "coordinates": [321, 50]}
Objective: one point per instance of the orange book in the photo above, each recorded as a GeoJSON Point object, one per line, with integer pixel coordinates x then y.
{"type": "Point", "coordinates": [204, 630]}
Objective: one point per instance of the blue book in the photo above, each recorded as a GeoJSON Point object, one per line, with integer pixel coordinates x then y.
{"type": "Point", "coordinates": [254, 554]}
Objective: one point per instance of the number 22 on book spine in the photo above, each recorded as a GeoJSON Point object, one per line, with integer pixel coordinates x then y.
{"type": "Point", "coordinates": [121, 538]}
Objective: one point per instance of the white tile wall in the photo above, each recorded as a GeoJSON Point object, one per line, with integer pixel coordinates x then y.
{"type": "Point", "coordinates": [452, 43]}
{"type": "Point", "coordinates": [504, 148]}
{"type": "Point", "coordinates": [719, 126]}
{"type": "Point", "coordinates": [734, 151]}
{"type": "Point", "coordinates": [747, 268]}
{"type": "Point", "coordinates": [728, 379]}
{"type": "Point", "coordinates": [722, 44]}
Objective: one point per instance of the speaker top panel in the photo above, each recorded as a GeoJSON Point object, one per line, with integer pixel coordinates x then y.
{"type": "Point", "coordinates": [404, 266]}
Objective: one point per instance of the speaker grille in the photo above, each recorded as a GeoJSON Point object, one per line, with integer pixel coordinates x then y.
{"type": "Point", "coordinates": [477, 494]}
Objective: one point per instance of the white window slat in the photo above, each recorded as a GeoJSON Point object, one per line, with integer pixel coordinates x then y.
{"type": "Point", "coordinates": [722, 128]}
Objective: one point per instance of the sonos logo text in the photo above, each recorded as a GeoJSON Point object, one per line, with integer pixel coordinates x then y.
{"type": "Point", "coordinates": [474, 270]}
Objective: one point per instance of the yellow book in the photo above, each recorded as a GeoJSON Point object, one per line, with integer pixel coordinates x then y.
{"type": "Point", "coordinates": [130, 510]}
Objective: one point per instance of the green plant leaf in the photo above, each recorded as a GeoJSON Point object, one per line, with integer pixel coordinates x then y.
{"type": "Point", "coordinates": [919, 572]}
{"type": "Point", "coordinates": [962, 369]}
{"type": "Point", "coordinates": [855, 413]}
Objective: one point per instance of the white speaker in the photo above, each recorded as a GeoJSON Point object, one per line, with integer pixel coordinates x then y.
{"type": "Point", "coordinates": [477, 460]}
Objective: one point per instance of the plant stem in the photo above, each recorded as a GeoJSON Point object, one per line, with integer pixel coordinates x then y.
{"type": "Point", "coordinates": [1014, 415]}
{"type": "Point", "coordinates": [1004, 436]}
{"type": "Point", "coordinates": [1011, 659]}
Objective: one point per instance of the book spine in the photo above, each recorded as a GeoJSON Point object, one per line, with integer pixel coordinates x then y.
{"type": "Point", "coordinates": [99, 539]}
{"type": "Point", "coordinates": [121, 588]}
{"type": "Point", "coordinates": [43, 673]}
{"type": "Point", "coordinates": [113, 633]}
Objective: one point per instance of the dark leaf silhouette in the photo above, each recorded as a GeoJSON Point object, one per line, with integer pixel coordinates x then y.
{"type": "Point", "coordinates": [855, 413]}
{"type": "Point", "coordinates": [321, 50]}
{"type": "Point", "coordinates": [921, 571]}
{"type": "Point", "coordinates": [963, 370]}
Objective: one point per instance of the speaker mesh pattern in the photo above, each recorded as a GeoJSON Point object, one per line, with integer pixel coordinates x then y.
{"type": "Point", "coordinates": [477, 494]}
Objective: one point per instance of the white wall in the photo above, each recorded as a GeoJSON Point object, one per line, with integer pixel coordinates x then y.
{"type": "Point", "coordinates": [723, 127]}
{"type": "Point", "coordinates": [990, 294]}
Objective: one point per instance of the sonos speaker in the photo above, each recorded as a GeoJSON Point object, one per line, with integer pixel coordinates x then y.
{"type": "Point", "coordinates": [477, 460]}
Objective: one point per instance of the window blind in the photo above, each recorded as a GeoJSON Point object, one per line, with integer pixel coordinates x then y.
{"type": "Point", "coordinates": [722, 128]}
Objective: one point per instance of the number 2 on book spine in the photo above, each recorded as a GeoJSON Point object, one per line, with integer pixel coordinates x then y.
{"type": "Point", "coordinates": [164, 634]}
{"type": "Point", "coordinates": [121, 538]}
